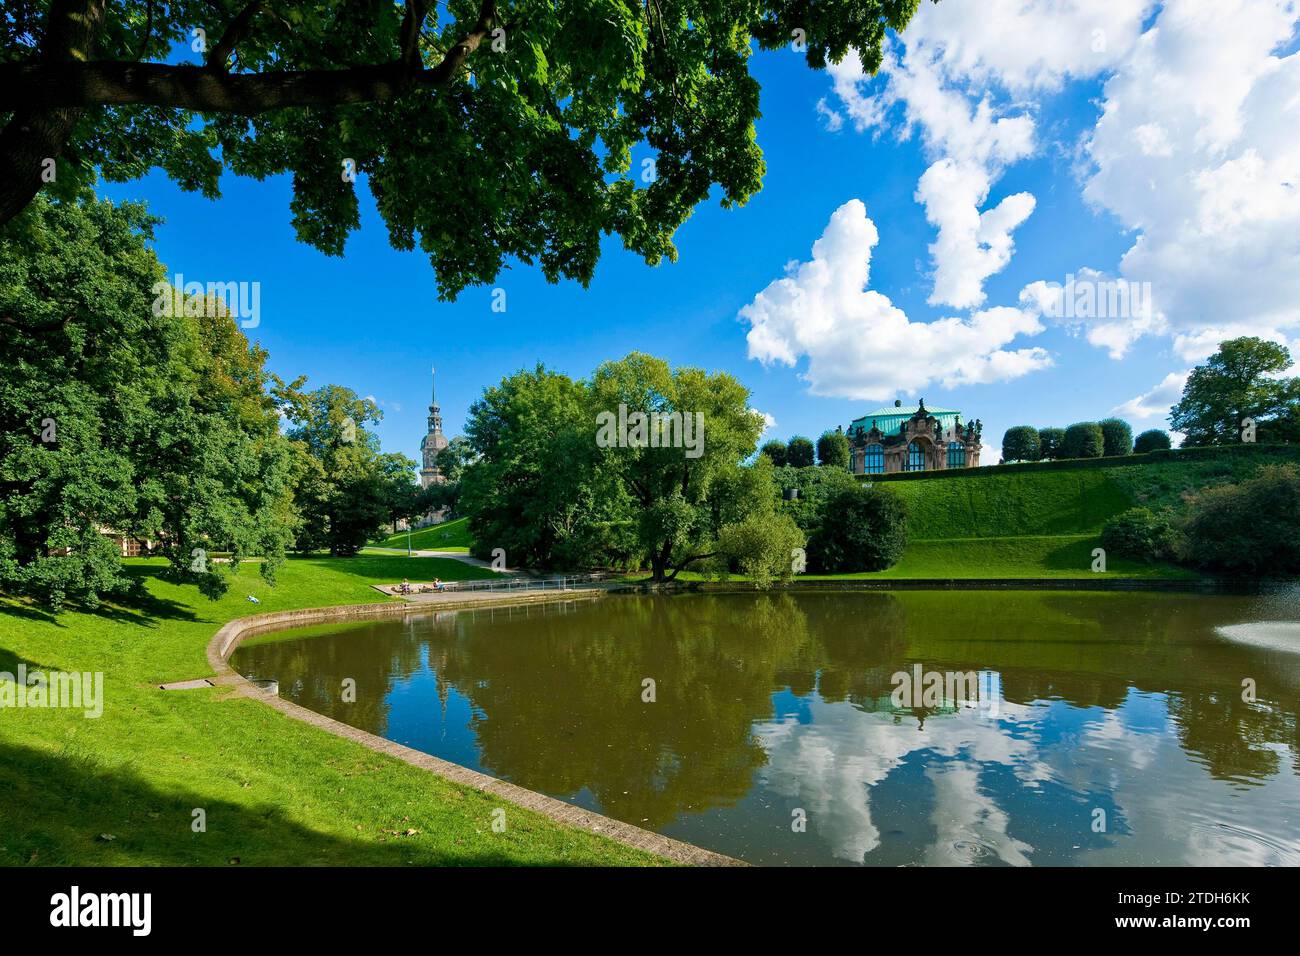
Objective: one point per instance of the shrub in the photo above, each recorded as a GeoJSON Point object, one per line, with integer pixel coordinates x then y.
{"type": "Point", "coordinates": [799, 453]}
{"type": "Point", "coordinates": [1117, 437]}
{"type": "Point", "coordinates": [1050, 441]}
{"type": "Point", "coordinates": [1152, 440]}
{"type": "Point", "coordinates": [761, 546]}
{"type": "Point", "coordinates": [860, 529]}
{"type": "Point", "coordinates": [1020, 443]}
{"type": "Point", "coordinates": [1141, 534]}
{"type": "Point", "coordinates": [814, 487]}
{"type": "Point", "coordinates": [833, 450]}
{"type": "Point", "coordinates": [1083, 440]}
{"type": "Point", "coordinates": [1251, 528]}
{"type": "Point", "coordinates": [776, 450]}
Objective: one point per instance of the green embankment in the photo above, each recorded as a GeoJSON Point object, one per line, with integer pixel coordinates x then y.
{"type": "Point", "coordinates": [1044, 520]}
{"type": "Point", "coordinates": [121, 789]}
{"type": "Point", "coordinates": [1067, 497]}
{"type": "Point", "coordinates": [449, 536]}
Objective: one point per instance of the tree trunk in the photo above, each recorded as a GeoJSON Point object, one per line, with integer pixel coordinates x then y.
{"type": "Point", "coordinates": [34, 135]}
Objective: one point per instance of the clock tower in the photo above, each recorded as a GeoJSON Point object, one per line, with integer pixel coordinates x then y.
{"type": "Point", "coordinates": [432, 443]}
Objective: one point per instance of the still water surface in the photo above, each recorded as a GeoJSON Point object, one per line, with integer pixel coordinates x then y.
{"type": "Point", "coordinates": [1108, 729]}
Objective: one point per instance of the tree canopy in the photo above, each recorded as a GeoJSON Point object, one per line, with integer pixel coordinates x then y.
{"type": "Point", "coordinates": [833, 449]}
{"type": "Point", "coordinates": [1243, 379]}
{"type": "Point", "coordinates": [1021, 443]}
{"type": "Point", "coordinates": [152, 425]}
{"type": "Point", "coordinates": [570, 473]}
{"type": "Point", "coordinates": [345, 487]}
{"type": "Point", "coordinates": [487, 129]}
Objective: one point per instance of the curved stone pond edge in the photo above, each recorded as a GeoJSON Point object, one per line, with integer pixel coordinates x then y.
{"type": "Point", "coordinates": [229, 637]}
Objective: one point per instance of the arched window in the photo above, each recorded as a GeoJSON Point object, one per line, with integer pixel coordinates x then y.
{"type": "Point", "coordinates": [956, 455]}
{"type": "Point", "coordinates": [915, 457]}
{"type": "Point", "coordinates": [874, 459]}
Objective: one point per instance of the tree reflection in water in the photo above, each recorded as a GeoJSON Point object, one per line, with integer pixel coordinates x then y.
{"type": "Point", "coordinates": [768, 701]}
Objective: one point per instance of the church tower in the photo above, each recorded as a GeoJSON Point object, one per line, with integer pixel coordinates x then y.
{"type": "Point", "coordinates": [432, 443]}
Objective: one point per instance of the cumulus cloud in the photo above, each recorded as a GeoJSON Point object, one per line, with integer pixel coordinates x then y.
{"type": "Point", "coordinates": [1197, 150]}
{"type": "Point", "coordinates": [859, 344]}
{"type": "Point", "coordinates": [1111, 313]}
{"type": "Point", "coordinates": [971, 144]}
{"type": "Point", "coordinates": [1152, 407]}
{"type": "Point", "coordinates": [1026, 45]}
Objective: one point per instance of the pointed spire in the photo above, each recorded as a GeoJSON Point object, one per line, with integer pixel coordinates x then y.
{"type": "Point", "coordinates": [433, 387]}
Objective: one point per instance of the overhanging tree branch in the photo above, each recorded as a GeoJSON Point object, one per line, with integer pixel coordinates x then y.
{"type": "Point", "coordinates": [112, 83]}
{"type": "Point", "coordinates": [219, 56]}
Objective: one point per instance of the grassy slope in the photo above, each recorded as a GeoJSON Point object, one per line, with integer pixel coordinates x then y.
{"type": "Point", "coordinates": [448, 536]}
{"type": "Point", "coordinates": [275, 791]}
{"type": "Point", "coordinates": [988, 523]}
{"type": "Point", "coordinates": [989, 503]}
{"type": "Point", "coordinates": [1039, 556]}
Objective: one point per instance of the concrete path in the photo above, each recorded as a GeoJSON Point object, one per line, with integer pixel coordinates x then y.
{"type": "Point", "coordinates": [454, 555]}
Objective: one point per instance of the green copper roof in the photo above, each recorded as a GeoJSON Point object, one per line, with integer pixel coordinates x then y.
{"type": "Point", "coordinates": [889, 419]}
{"type": "Point", "coordinates": [907, 411]}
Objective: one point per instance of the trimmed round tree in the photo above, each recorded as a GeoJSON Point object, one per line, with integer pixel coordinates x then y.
{"type": "Point", "coordinates": [1116, 437]}
{"type": "Point", "coordinates": [1153, 439]}
{"type": "Point", "coordinates": [799, 453]}
{"type": "Point", "coordinates": [776, 450]}
{"type": "Point", "coordinates": [1050, 441]}
{"type": "Point", "coordinates": [833, 449]}
{"type": "Point", "coordinates": [860, 529]}
{"type": "Point", "coordinates": [1083, 440]}
{"type": "Point", "coordinates": [1020, 443]}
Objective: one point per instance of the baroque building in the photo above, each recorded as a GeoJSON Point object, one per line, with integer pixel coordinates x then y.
{"type": "Point", "coordinates": [432, 443]}
{"type": "Point", "coordinates": [917, 438]}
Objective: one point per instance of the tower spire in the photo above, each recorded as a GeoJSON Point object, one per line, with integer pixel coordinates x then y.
{"type": "Point", "coordinates": [433, 388]}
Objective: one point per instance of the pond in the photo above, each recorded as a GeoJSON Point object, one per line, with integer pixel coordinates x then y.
{"type": "Point", "coordinates": [878, 728]}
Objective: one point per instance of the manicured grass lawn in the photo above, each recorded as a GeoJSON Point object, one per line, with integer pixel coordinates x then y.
{"type": "Point", "coordinates": [1077, 500]}
{"type": "Point", "coordinates": [977, 506]}
{"type": "Point", "coordinates": [1043, 556]}
{"type": "Point", "coordinates": [448, 536]}
{"type": "Point", "coordinates": [121, 789]}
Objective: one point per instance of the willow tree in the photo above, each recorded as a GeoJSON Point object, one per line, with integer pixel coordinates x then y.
{"type": "Point", "coordinates": [487, 129]}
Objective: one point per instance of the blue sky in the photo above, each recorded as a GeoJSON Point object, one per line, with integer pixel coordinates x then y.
{"type": "Point", "coordinates": [371, 320]}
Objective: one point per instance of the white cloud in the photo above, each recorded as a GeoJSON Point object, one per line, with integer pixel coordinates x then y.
{"type": "Point", "coordinates": [1198, 150]}
{"type": "Point", "coordinates": [1201, 344]}
{"type": "Point", "coordinates": [859, 344]}
{"type": "Point", "coordinates": [971, 144]}
{"type": "Point", "coordinates": [971, 246]}
{"type": "Point", "coordinates": [1152, 407]}
{"type": "Point", "coordinates": [769, 422]}
{"type": "Point", "coordinates": [1027, 45]}
{"type": "Point", "coordinates": [1111, 313]}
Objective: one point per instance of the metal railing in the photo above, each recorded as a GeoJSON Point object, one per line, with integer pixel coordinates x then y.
{"type": "Point", "coordinates": [563, 583]}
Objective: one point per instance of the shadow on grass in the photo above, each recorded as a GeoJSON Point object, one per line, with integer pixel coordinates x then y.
{"type": "Point", "coordinates": [9, 662]}
{"type": "Point", "coordinates": [15, 606]}
{"type": "Point", "coordinates": [392, 568]}
{"type": "Point", "coordinates": [1077, 556]}
{"type": "Point", "coordinates": [62, 810]}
